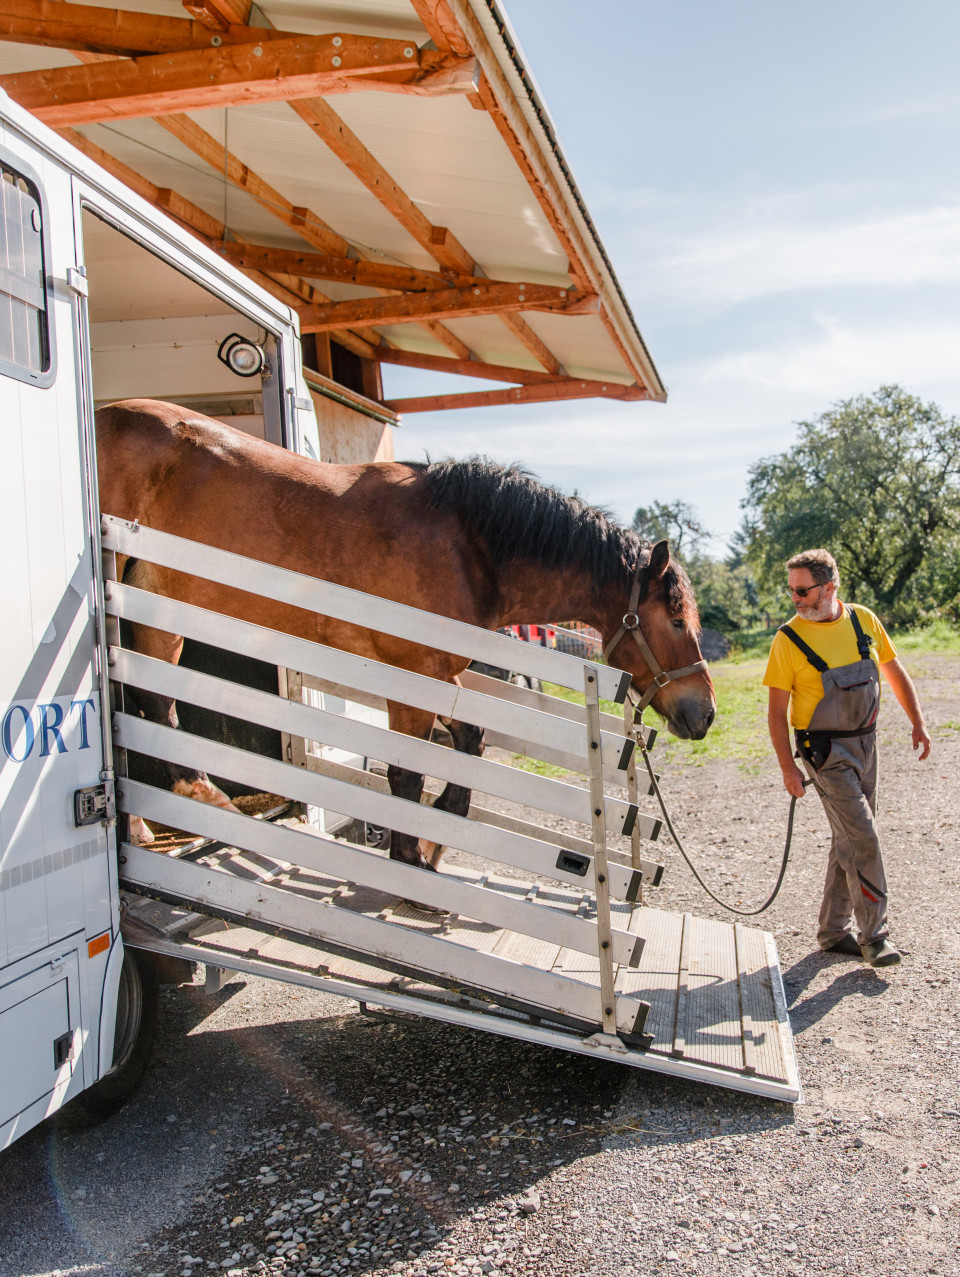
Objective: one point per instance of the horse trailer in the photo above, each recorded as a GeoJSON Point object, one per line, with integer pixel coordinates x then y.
{"type": "Point", "coordinates": [535, 934]}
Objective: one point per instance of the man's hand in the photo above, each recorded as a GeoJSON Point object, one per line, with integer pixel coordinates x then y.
{"type": "Point", "coordinates": [793, 779]}
{"type": "Point", "coordinates": [906, 694]}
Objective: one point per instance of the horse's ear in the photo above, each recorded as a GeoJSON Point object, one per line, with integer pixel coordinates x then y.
{"type": "Point", "coordinates": [659, 558]}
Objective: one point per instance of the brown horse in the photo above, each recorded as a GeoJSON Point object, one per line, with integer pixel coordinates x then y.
{"type": "Point", "coordinates": [482, 543]}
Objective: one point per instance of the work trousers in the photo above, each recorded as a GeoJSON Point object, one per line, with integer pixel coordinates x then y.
{"type": "Point", "coordinates": [856, 883]}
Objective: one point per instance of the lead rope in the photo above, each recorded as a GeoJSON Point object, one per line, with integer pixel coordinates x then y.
{"type": "Point", "coordinates": [743, 913]}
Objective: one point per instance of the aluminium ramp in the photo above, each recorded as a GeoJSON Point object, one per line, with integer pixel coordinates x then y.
{"type": "Point", "coordinates": [717, 1011]}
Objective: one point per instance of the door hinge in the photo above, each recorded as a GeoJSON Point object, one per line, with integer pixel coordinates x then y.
{"type": "Point", "coordinates": [94, 804]}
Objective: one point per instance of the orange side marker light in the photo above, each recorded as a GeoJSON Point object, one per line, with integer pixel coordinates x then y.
{"type": "Point", "coordinates": [98, 944]}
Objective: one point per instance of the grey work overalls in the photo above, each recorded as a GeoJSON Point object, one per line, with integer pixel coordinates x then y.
{"type": "Point", "coordinates": [839, 751]}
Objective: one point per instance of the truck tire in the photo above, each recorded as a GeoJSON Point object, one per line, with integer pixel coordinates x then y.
{"type": "Point", "coordinates": [137, 1001]}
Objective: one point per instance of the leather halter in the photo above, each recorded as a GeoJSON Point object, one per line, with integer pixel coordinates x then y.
{"type": "Point", "coordinates": [631, 625]}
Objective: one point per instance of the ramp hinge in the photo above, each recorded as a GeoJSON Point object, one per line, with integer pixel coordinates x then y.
{"type": "Point", "coordinates": [94, 804]}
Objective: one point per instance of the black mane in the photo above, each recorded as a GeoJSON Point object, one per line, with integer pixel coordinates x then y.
{"type": "Point", "coordinates": [520, 518]}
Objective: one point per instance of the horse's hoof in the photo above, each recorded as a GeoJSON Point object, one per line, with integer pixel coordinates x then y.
{"type": "Point", "coordinates": [140, 834]}
{"type": "Point", "coordinates": [203, 792]}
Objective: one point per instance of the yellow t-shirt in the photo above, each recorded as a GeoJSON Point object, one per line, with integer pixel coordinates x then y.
{"type": "Point", "coordinates": [835, 642]}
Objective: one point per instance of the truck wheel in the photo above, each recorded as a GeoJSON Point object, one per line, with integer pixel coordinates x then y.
{"type": "Point", "coordinates": [137, 1000]}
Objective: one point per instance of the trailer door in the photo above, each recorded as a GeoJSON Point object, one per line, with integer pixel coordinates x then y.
{"type": "Point", "coordinates": [58, 898]}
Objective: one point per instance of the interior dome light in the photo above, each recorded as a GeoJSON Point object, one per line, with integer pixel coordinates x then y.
{"type": "Point", "coordinates": [242, 356]}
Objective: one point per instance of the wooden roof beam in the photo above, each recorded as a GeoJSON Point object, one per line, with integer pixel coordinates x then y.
{"type": "Point", "coordinates": [210, 231]}
{"type": "Point", "coordinates": [342, 269]}
{"type": "Point", "coordinates": [548, 392]}
{"type": "Point", "coordinates": [442, 26]}
{"type": "Point", "coordinates": [91, 29]}
{"type": "Point", "coordinates": [453, 303]}
{"type": "Point", "coordinates": [306, 223]}
{"type": "Point", "coordinates": [219, 15]}
{"type": "Point", "coordinates": [438, 241]}
{"type": "Point", "coordinates": [239, 74]}
{"type": "Point", "coordinates": [442, 246]}
{"type": "Point", "coordinates": [464, 367]}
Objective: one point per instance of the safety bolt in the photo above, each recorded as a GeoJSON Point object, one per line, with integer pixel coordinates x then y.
{"type": "Point", "coordinates": [596, 811]}
{"type": "Point", "coordinates": [594, 745]}
{"type": "Point", "coordinates": [608, 1010]}
{"type": "Point", "coordinates": [257, 51]}
{"type": "Point", "coordinates": [605, 944]}
{"type": "Point", "coordinates": [408, 53]}
{"type": "Point", "coordinates": [589, 678]}
{"type": "Point", "coordinates": [337, 41]}
{"type": "Point", "coordinates": [216, 41]}
{"type": "Point", "coordinates": [336, 62]}
{"type": "Point", "coordinates": [601, 877]}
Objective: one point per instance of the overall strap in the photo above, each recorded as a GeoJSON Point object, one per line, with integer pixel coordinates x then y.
{"type": "Point", "coordinates": [863, 643]}
{"type": "Point", "coordinates": [818, 663]}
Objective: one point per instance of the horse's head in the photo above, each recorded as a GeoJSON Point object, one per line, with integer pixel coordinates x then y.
{"type": "Point", "coordinates": [659, 613]}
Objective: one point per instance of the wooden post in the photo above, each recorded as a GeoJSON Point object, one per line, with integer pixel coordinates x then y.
{"type": "Point", "coordinates": [608, 1004]}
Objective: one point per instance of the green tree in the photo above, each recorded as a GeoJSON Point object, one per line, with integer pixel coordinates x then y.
{"type": "Point", "coordinates": [876, 480]}
{"type": "Point", "coordinates": [673, 521]}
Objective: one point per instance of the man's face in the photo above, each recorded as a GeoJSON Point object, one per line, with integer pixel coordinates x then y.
{"type": "Point", "coordinates": [818, 602]}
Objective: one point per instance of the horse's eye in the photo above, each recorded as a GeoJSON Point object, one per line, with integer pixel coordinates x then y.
{"type": "Point", "coordinates": [678, 623]}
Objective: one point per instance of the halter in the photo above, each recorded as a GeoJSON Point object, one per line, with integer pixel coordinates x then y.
{"type": "Point", "coordinates": [631, 625]}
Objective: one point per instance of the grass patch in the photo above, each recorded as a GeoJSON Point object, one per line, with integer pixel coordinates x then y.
{"type": "Point", "coordinates": [577, 698]}
{"type": "Point", "coordinates": [739, 731]}
{"type": "Point", "coordinates": [941, 636]}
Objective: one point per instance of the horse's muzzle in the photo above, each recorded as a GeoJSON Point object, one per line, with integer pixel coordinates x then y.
{"type": "Point", "coordinates": [690, 717]}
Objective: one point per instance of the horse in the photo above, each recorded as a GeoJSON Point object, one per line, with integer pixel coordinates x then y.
{"type": "Point", "coordinates": [480, 542]}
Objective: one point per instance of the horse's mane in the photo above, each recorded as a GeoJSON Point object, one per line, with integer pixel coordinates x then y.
{"type": "Point", "coordinates": [521, 519]}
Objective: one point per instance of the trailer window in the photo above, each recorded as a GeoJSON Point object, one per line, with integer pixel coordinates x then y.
{"type": "Point", "coordinates": [24, 329]}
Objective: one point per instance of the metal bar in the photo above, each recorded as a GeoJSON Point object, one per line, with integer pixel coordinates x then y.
{"type": "Point", "coordinates": [683, 983]}
{"type": "Point", "coordinates": [632, 789]}
{"type": "Point", "coordinates": [343, 860]}
{"type": "Point", "coordinates": [746, 1020]}
{"type": "Point", "coordinates": [272, 906]}
{"type": "Point", "coordinates": [366, 739]}
{"type": "Point", "coordinates": [315, 595]}
{"type": "Point", "coordinates": [504, 1026]}
{"type": "Point", "coordinates": [651, 871]}
{"type": "Point", "coordinates": [419, 819]}
{"type": "Point", "coordinates": [601, 869]}
{"type": "Point", "coordinates": [543, 701]}
{"type": "Point", "coordinates": [445, 699]}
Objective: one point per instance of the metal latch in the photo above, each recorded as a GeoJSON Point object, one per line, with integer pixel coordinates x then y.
{"type": "Point", "coordinates": [77, 280]}
{"type": "Point", "coordinates": [94, 804]}
{"type": "Point", "coordinates": [62, 1050]}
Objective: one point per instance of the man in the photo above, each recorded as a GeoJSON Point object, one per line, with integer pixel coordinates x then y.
{"type": "Point", "coordinates": [823, 667]}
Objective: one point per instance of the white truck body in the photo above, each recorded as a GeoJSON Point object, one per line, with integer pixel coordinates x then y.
{"type": "Point", "coordinates": [564, 967]}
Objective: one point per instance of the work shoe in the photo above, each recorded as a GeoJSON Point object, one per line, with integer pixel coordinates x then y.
{"type": "Point", "coordinates": [880, 953]}
{"type": "Point", "coordinates": [847, 944]}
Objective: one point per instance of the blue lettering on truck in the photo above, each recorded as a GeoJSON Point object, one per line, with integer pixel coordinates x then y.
{"type": "Point", "coordinates": [19, 733]}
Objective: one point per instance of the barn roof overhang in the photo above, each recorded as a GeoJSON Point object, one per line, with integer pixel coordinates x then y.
{"type": "Point", "coordinates": [386, 167]}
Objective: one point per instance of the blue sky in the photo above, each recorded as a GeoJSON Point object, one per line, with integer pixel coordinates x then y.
{"type": "Point", "coordinates": [779, 191]}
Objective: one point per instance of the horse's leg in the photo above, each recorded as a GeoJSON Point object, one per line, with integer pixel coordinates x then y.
{"type": "Point", "coordinates": [163, 709]}
{"type": "Point", "coordinates": [407, 784]}
{"type": "Point", "coordinates": [468, 739]}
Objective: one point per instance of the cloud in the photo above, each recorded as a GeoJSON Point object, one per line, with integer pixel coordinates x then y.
{"type": "Point", "coordinates": [790, 243]}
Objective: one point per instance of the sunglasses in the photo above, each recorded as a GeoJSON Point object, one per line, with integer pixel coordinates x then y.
{"type": "Point", "coordinates": [802, 593]}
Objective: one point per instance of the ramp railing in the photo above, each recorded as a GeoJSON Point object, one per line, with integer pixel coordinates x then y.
{"type": "Point", "coordinates": [541, 726]}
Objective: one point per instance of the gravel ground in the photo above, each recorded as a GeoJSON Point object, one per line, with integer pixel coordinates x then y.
{"type": "Point", "coordinates": [279, 1131]}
